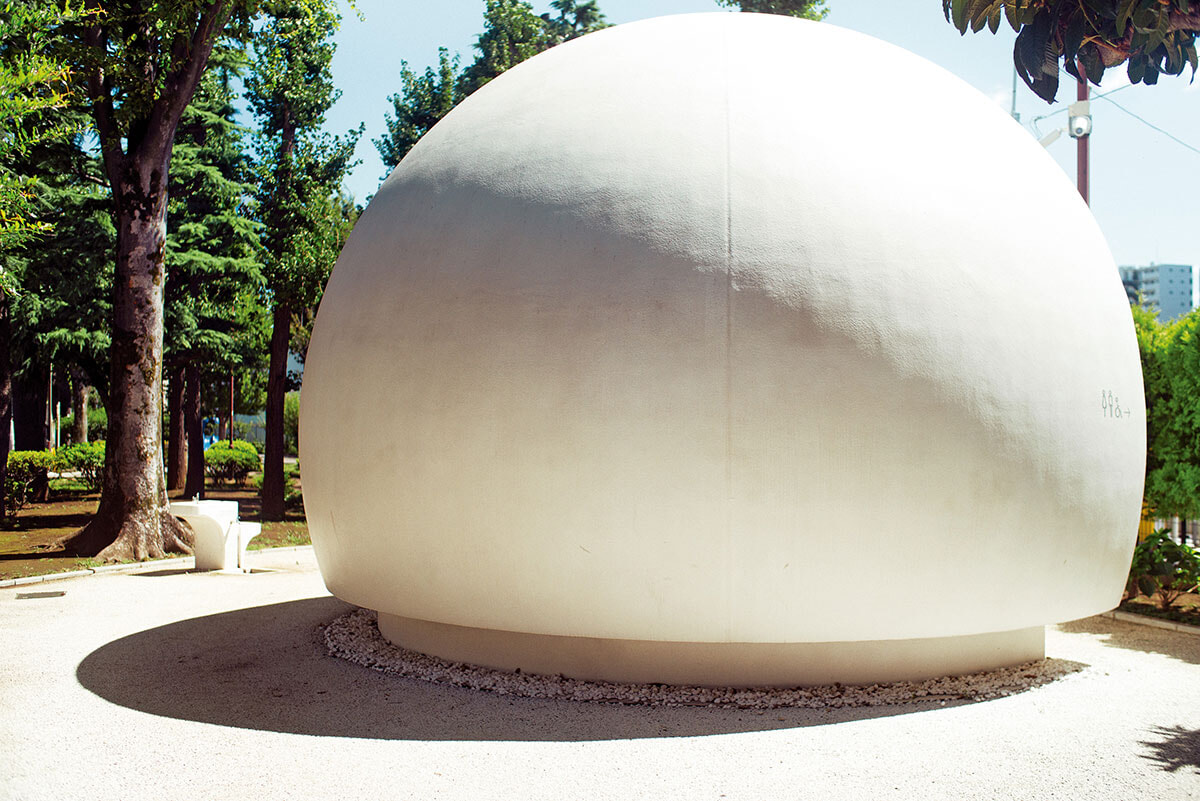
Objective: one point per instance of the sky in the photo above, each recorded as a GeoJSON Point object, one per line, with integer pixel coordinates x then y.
{"type": "Point", "coordinates": [1142, 179]}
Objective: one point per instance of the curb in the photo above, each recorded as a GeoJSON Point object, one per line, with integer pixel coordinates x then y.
{"type": "Point", "coordinates": [1154, 622]}
{"type": "Point", "coordinates": [130, 567]}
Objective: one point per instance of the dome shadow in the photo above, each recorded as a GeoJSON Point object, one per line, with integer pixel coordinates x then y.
{"type": "Point", "coordinates": [266, 668]}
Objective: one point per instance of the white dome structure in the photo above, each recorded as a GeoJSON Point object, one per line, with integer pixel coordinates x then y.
{"type": "Point", "coordinates": [659, 359]}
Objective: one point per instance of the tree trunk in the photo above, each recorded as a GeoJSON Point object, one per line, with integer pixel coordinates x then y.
{"type": "Point", "coordinates": [29, 410]}
{"type": "Point", "coordinates": [177, 446]}
{"type": "Point", "coordinates": [134, 520]}
{"type": "Point", "coordinates": [195, 434]}
{"type": "Point", "coordinates": [5, 398]}
{"type": "Point", "coordinates": [79, 404]}
{"type": "Point", "coordinates": [273, 489]}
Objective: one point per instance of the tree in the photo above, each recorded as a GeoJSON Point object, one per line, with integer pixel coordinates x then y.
{"type": "Point", "coordinates": [422, 101]}
{"type": "Point", "coordinates": [33, 85]}
{"type": "Point", "coordinates": [1171, 373]}
{"type": "Point", "coordinates": [211, 258]}
{"type": "Point", "coordinates": [574, 19]}
{"type": "Point", "coordinates": [511, 34]}
{"type": "Point", "coordinates": [63, 278]}
{"type": "Point", "coordinates": [141, 64]}
{"type": "Point", "coordinates": [1152, 37]}
{"type": "Point", "coordinates": [289, 89]}
{"type": "Point", "coordinates": [805, 9]}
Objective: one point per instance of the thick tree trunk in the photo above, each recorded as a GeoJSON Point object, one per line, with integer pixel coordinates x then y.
{"type": "Point", "coordinates": [273, 489]}
{"type": "Point", "coordinates": [5, 397]}
{"type": "Point", "coordinates": [195, 435]}
{"type": "Point", "coordinates": [176, 432]}
{"type": "Point", "coordinates": [29, 411]}
{"type": "Point", "coordinates": [134, 520]}
{"type": "Point", "coordinates": [79, 404]}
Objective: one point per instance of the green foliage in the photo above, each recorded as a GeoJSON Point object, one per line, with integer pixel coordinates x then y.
{"type": "Point", "coordinates": [34, 83]}
{"type": "Point", "coordinates": [26, 471]}
{"type": "Point", "coordinates": [289, 89]}
{"type": "Point", "coordinates": [1151, 37]}
{"type": "Point", "coordinates": [294, 499]}
{"type": "Point", "coordinates": [576, 19]}
{"type": "Point", "coordinates": [64, 278]}
{"type": "Point", "coordinates": [227, 464]}
{"type": "Point", "coordinates": [86, 458]}
{"type": "Point", "coordinates": [1163, 569]}
{"type": "Point", "coordinates": [291, 422]}
{"type": "Point", "coordinates": [805, 9]}
{"type": "Point", "coordinates": [511, 34]}
{"type": "Point", "coordinates": [423, 100]}
{"type": "Point", "coordinates": [1171, 375]}
{"type": "Point", "coordinates": [97, 423]}
{"type": "Point", "coordinates": [212, 244]}
{"type": "Point", "coordinates": [215, 311]}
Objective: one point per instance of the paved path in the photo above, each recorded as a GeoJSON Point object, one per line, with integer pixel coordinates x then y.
{"type": "Point", "coordinates": [173, 685]}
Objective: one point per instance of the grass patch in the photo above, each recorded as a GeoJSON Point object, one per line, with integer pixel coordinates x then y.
{"type": "Point", "coordinates": [68, 486]}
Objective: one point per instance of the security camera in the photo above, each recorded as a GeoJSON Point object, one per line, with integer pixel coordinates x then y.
{"type": "Point", "coordinates": [1079, 126]}
{"type": "Point", "coordinates": [1079, 115]}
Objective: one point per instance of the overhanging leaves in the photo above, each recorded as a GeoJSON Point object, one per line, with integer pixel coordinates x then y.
{"type": "Point", "coordinates": [1152, 37]}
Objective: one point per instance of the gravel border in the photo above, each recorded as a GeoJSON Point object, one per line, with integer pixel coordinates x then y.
{"type": "Point", "coordinates": [355, 637]}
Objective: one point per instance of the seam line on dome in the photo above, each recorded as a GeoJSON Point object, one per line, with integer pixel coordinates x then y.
{"type": "Point", "coordinates": [728, 578]}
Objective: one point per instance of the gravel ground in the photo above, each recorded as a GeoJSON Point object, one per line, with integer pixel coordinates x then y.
{"type": "Point", "coordinates": [176, 685]}
{"type": "Point", "coordinates": [355, 637]}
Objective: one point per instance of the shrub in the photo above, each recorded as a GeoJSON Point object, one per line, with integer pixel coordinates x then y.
{"type": "Point", "coordinates": [291, 423]}
{"type": "Point", "coordinates": [294, 499]}
{"type": "Point", "coordinates": [1163, 569]}
{"type": "Point", "coordinates": [87, 458]}
{"type": "Point", "coordinates": [25, 479]}
{"type": "Point", "coordinates": [97, 423]}
{"type": "Point", "coordinates": [230, 464]}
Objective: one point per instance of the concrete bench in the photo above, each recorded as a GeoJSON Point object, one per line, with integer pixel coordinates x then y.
{"type": "Point", "coordinates": [221, 538]}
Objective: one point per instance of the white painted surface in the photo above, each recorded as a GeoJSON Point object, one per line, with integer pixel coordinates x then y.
{"type": "Point", "coordinates": [719, 664]}
{"type": "Point", "coordinates": [220, 541]}
{"type": "Point", "coordinates": [658, 337]}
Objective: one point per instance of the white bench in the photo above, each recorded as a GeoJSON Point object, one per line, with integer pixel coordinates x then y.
{"type": "Point", "coordinates": [221, 539]}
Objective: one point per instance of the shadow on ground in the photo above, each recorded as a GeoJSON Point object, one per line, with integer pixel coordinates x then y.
{"type": "Point", "coordinates": [1136, 637]}
{"type": "Point", "coordinates": [1177, 748]}
{"type": "Point", "coordinates": [266, 668]}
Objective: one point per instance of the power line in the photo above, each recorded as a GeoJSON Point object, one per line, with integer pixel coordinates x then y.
{"type": "Point", "coordinates": [1146, 122]}
{"type": "Point", "coordinates": [1142, 120]}
{"type": "Point", "coordinates": [1065, 109]}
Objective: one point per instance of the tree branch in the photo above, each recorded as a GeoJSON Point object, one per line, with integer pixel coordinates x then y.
{"type": "Point", "coordinates": [95, 37]}
{"type": "Point", "coordinates": [181, 81]}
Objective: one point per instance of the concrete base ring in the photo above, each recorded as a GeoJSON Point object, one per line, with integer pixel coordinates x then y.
{"type": "Point", "coordinates": [715, 664]}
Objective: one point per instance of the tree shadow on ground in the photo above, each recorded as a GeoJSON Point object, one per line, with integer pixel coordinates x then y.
{"type": "Point", "coordinates": [1177, 749]}
{"type": "Point", "coordinates": [35, 554]}
{"type": "Point", "coordinates": [32, 521]}
{"type": "Point", "coordinates": [267, 668]}
{"type": "Point", "coordinates": [1137, 637]}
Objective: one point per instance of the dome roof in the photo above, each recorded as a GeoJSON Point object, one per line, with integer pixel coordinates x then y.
{"type": "Point", "coordinates": [694, 330]}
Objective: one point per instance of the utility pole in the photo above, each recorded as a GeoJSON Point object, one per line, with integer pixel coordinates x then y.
{"type": "Point", "coordinates": [1081, 147]}
{"type": "Point", "coordinates": [231, 411]}
{"type": "Point", "coordinates": [1013, 112]}
{"type": "Point", "coordinates": [1080, 128]}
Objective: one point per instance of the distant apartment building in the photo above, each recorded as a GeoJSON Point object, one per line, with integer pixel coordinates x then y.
{"type": "Point", "coordinates": [1166, 288]}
